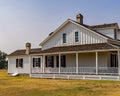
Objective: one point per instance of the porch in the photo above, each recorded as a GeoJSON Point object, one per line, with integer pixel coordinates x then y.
{"type": "Point", "coordinates": [85, 63]}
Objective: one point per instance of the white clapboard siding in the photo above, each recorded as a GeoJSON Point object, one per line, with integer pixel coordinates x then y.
{"type": "Point", "coordinates": [107, 32]}
{"type": "Point", "coordinates": [85, 37]}
{"type": "Point", "coordinates": [12, 65]}
{"type": "Point", "coordinates": [118, 35]}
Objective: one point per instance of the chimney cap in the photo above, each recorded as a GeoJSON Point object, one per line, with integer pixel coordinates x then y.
{"type": "Point", "coordinates": [79, 15]}
{"type": "Point", "coordinates": [28, 44]}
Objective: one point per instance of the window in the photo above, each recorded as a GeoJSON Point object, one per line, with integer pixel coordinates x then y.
{"type": "Point", "coordinates": [64, 37]}
{"type": "Point", "coordinates": [76, 37]}
{"type": "Point", "coordinates": [19, 63]}
{"type": "Point", "coordinates": [49, 61]}
{"type": "Point", "coordinates": [63, 61]}
{"type": "Point", "coordinates": [36, 62]}
{"type": "Point", "coordinates": [114, 60]}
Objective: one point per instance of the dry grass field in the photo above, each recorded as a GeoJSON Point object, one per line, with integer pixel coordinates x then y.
{"type": "Point", "coordinates": [25, 86]}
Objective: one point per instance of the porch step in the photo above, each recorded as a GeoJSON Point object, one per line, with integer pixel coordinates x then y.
{"type": "Point", "coordinates": [66, 76]}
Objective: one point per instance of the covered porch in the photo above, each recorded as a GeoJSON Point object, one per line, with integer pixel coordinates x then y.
{"type": "Point", "coordinates": [95, 63]}
{"type": "Point", "coordinates": [91, 59]}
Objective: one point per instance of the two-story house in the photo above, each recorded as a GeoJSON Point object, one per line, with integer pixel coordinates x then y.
{"type": "Point", "coordinates": [74, 51]}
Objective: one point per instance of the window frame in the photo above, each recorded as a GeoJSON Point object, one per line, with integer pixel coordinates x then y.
{"type": "Point", "coordinates": [64, 37]}
{"type": "Point", "coordinates": [49, 61]}
{"type": "Point", "coordinates": [36, 62]}
{"type": "Point", "coordinates": [19, 63]}
{"type": "Point", "coordinates": [76, 36]}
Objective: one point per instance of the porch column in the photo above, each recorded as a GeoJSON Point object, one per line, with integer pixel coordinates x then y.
{"type": "Point", "coordinates": [43, 64]}
{"type": "Point", "coordinates": [96, 63]}
{"type": "Point", "coordinates": [59, 62]}
{"type": "Point", "coordinates": [118, 62]}
{"type": "Point", "coordinates": [76, 62]}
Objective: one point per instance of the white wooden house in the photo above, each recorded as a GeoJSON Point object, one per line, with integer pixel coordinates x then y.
{"type": "Point", "coordinates": [74, 51]}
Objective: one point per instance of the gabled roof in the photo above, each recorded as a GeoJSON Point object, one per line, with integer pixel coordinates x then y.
{"type": "Point", "coordinates": [74, 48]}
{"type": "Point", "coordinates": [76, 23]}
{"type": "Point", "coordinates": [110, 25]}
{"type": "Point", "coordinates": [22, 52]}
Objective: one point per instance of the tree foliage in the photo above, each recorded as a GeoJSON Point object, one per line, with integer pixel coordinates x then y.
{"type": "Point", "coordinates": [3, 61]}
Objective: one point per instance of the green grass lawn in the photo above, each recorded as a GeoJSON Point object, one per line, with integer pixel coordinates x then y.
{"type": "Point", "coordinates": [25, 86]}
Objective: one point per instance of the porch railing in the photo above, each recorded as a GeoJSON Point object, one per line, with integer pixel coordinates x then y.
{"type": "Point", "coordinates": [79, 70]}
{"type": "Point", "coordinates": [108, 70]}
{"type": "Point", "coordinates": [51, 70]}
{"type": "Point", "coordinates": [36, 70]}
{"type": "Point", "coordinates": [87, 70]}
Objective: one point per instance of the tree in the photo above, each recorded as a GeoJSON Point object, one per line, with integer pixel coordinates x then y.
{"type": "Point", "coordinates": [3, 61]}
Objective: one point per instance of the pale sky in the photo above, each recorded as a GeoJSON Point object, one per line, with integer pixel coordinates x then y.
{"type": "Point", "coordinates": [31, 21]}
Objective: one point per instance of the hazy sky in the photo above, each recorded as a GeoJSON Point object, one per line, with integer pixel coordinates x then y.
{"type": "Point", "coordinates": [24, 21]}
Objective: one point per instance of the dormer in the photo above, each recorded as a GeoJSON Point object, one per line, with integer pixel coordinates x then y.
{"type": "Point", "coordinates": [109, 30]}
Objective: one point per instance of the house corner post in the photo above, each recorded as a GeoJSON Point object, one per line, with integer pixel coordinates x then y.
{"type": "Point", "coordinates": [77, 63]}
{"type": "Point", "coordinates": [30, 66]}
{"type": "Point", "coordinates": [96, 62]}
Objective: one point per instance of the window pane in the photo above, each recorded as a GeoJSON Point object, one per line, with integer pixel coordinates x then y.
{"type": "Point", "coordinates": [63, 61]}
{"type": "Point", "coordinates": [19, 63]}
{"type": "Point", "coordinates": [36, 62]}
{"type": "Point", "coordinates": [50, 61]}
{"type": "Point", "coordinates": [76, 37]}
{"type": "Point", "coordinates": [64, 37]}
{"type": "Point", "coordinates": [57, 61]}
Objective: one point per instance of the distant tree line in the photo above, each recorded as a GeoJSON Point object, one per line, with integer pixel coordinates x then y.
{"type": "Point", "coordinates": [3, 60]}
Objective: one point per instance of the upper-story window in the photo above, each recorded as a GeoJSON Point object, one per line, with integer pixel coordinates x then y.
{"type": "Point", "coordinates": [64, 37]}
{"type": "Point", "coordinates": [76, 37]}
{"type": "Point", "coordinates": [36, 62]}
{"type": "Point", "coordinates": [19, 63]}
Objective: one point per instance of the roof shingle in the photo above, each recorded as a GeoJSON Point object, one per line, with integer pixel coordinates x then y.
{"type": "Point", "coordinates": [86, 47]}
{"type": "Point", "coordinates": [22, 52]}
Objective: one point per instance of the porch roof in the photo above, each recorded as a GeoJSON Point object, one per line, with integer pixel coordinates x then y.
{"type": "Point", "coordinates": [86, 47]}
{"type": "Point", "coordinates": [22, 52]}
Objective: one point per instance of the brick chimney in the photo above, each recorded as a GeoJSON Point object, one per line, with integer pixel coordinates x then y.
{"type": "Point", "coordinates": [79, 18]}
{"type": "Point", "coordinates": [28, 47]}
